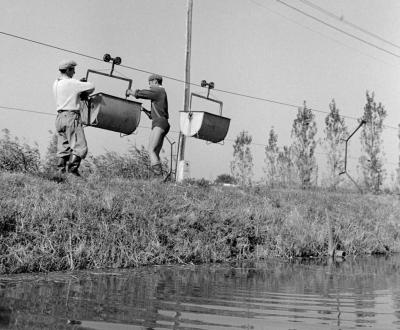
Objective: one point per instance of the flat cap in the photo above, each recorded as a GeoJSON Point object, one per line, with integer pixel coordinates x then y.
{"type": "Point", "coordinates": [155, 77]}
{"type": "Point", "coordinates": [65, 64]}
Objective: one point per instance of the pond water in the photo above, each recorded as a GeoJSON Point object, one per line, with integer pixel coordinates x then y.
{"type": "Point", "coordinates": [360, 293]}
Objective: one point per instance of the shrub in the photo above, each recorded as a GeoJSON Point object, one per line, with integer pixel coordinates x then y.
{"type": "Point", "coordinates": [134, 165]}
{"type": "Point", "coordinates": [16, 156]}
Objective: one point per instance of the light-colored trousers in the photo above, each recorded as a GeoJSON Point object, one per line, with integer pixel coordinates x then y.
{"type": "Point", "coordinates": [70, 135]}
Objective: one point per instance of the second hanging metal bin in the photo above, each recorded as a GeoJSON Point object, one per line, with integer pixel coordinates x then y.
{"type": "Point", "coordinates": [204, 125]}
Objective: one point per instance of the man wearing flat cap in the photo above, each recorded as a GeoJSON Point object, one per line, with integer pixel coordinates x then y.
{"type": "Point", "coordinates": [159, 115]}
{"type": "Point", "coordinates": [71, 141]}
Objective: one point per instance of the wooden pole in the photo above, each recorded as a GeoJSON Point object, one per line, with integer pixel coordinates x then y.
{"type": "Point", "coordinates": [182, 138]}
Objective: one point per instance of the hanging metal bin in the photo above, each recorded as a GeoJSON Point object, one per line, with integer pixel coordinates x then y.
{"type": "Point", "coordinates": [204, 125]}
{"type": "Point", "coordinates": [112, 113]}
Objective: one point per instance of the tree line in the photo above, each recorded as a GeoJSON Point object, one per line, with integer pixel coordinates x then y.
{"type": "Point", "coordinates": [296, 165]}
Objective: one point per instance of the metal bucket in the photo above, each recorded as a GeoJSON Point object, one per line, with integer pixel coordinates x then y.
{"type": "Point", "coordinates": [112, 113]}
{"type": "Point", "coordinates": [204, 125]}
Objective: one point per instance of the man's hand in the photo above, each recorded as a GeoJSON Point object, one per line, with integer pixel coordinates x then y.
{"type": "Point", "coordinates": [129, 92]}
{"type": "Point", "coordinates": [147, 112]}
{"type": "Point", "coordinates": [84, 96]}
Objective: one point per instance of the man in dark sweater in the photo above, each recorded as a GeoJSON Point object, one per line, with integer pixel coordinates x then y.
{"type": "Point", "coordinates": [159, 115]}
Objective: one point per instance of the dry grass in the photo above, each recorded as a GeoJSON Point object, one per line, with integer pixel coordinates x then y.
{"type": "Point", "coordinates": [117, 223]}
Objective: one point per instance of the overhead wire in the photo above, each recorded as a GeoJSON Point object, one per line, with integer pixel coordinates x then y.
{"type": "Point", "coordinates": [344, 21]}
{"type": "Point", "coordinates": [177, 79]}
{"type": "Point", "coordinates": [180, 80]}
{"type": "Point", "coordinates": [320, 33]}
{"type": "Point", "coordinates": [337, 29]}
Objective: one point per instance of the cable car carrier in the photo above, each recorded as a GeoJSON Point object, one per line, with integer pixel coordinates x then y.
{"type": "Point", "coordinates": [204, 125]}
{"type": "Point", "coordinates": [108, 111]}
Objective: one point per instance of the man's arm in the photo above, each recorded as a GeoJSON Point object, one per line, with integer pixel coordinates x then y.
{"type": "Point", "coordinates": [146, 94]}
{"type": "Point", "coordinates": [86, 87]}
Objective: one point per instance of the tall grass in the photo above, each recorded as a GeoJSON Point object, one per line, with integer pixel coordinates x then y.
{"type": "Point", "coordinates": [118, 222]}
{"type": "Point", "coordinates": [116, 217]}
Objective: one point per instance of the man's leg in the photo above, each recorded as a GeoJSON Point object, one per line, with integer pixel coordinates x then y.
{"type": "Point", "coordinates": [73, 165]}
{"type": "Point", "coordinates": [77, 140]}
{"type": "Point", "coordinates": [156, 141]}
{"type": "Point", "coordinates": [63, 152]}
{"type": "Point", "coordinates": [63, 146]}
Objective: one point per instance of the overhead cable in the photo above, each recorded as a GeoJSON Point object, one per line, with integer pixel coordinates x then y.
{"type": "Point", "coordinates": [337, 29]}
{"type": "Point", "coordinates": [344, 21]}
{"type": "Point", "coordinates": [179, 80]}
{"type": "Point", "coordinates": [322, 34]}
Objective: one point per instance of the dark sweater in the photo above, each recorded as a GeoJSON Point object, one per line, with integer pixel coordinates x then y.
{"type": "Point", "coordinates": [159, 101]}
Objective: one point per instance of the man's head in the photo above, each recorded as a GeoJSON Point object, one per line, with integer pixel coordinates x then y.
{"type": "Point", "coordinates": [155, 79]}
{"type": "Point", "coordinates": [67, 67]}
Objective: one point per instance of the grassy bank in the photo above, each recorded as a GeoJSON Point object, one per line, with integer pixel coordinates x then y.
{"type": "Point", "coordinates": [99, 223]}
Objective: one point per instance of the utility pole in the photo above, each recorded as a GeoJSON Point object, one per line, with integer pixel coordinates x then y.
{"type": "Point", "coordinates": [182, 138]}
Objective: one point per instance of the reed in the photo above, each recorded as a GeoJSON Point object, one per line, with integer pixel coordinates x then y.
{"type": "Point", "coordinates": [118, 223]}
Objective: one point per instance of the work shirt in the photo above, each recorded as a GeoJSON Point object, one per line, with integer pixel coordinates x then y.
{"type": "Point", "coordinates": [159, 101]}
{"type": "Point", "coordinates": [66, 93]}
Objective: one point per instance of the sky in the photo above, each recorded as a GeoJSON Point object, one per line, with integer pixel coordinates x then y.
{"type": "Point", "coordinates": [273, 55]}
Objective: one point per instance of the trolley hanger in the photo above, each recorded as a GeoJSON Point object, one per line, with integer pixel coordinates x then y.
{"type": "Point", "coordinates": [115, 61]}
{"type": "Point", "coordinates": [209, 86]}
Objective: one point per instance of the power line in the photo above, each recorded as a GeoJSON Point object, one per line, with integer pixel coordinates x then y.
{"type": "Point", "coordinates": [180, 80]}
{"type": "Point", "coordinates": [337, 29]}
{"type": "Point", "coordinates": [49, 114]}
{"type": "Point", "coordinates": [322, 34]}
{"type": "Point", "coordinates": [344, 21]}
{"type": "Point", "coordinates": [27, 110]}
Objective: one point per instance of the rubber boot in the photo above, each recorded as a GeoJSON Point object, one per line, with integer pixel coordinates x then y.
{"type": "Point", "coordinates": [73, 165]}
{"type": "Point", "coordinates": [62, 164]}
{"type": "Point", "coordinates": [157, 172]}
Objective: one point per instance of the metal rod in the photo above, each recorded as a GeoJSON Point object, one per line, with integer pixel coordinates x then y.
{"type": "Point", "coordinates": [361, 123]}
{"type": "Point", "coordinates": [112, 68]}
{"type": "Point", "coordinates": [345, 156]}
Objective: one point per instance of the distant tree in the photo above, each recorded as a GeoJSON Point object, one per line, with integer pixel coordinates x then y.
{"type": "Point", "coordinates": [285, 167]}
{"type": "Point", "coordinates": [271, 158]}
{"type": "Point", "coordinates": [242, 164]}
{"type": "Point", "coordinates": [304, 130]}
{"type": "Point", "coordinates": [335, 132]}
{"type": "Point", "coordinates": [16, 156]}
{"type": "Point", "coordinates": [225, 178]}
{"type": "Point", "coordinates": [372, 160]}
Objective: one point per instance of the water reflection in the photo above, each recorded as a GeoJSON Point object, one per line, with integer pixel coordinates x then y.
{"type": "Point", "coordinates": [354, 294]}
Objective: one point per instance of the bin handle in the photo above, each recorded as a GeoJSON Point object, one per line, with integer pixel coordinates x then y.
{"type": "Point", "coordinates": [206, 98]}
{"type": "Point", "coordinates": [109, 75]}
